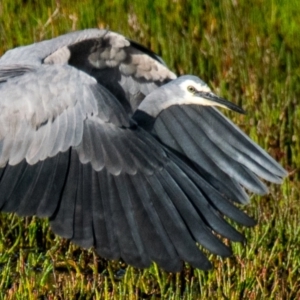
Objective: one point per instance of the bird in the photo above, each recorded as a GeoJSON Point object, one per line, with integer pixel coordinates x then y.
{"type": "Point", "coordinates": [101, 137]}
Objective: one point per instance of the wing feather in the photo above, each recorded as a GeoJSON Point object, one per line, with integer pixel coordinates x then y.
{"type": "Point", "coordinates": [112, 249]}
{"type": "Point", "coordinates": [69, 151]}
{"type": "Point", "coordinates": [126, 195]}
{"type": "Point", "coordinates": [83, 222]}
{"type": "Point", "coordinates": [54, 180]}
{"type": "Point", "coordinates": [62, 221]}
{"type": "Point", "coordinates": [174, 134]}
{"type": "Point", "coordinates": [156, 239]}
{"type": "Point", "coordinates": [222, 161]}
{"type": "Point", "coordinates": [175, 226]}
{"type": "Point", "coordinates": [42, 112]}
{"type": "Point", "coordinates": [232, 146]}
{"type": "Point", "coordinates": [9, 180]}
{"type": "Point", "coordinates": [205, 136]}
{"type": "Point", "coordinates": [128, 248]}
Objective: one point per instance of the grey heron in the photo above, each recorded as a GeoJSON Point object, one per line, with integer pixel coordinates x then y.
{"type": "Point", "coordinates": [99, 136]}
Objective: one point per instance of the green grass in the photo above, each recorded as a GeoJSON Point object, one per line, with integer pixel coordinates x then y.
{"type": "Point", "coordinates": [248, 53]}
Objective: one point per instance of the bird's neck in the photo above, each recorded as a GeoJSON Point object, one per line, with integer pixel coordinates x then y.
{"type": "Point", "coordinates": [156, 102]}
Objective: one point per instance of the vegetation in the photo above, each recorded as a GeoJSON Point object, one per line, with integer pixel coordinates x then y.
{"type": "Point", "coordinates": [248, 53]}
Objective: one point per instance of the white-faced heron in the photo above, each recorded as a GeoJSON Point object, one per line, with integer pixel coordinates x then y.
{"type": "Point", "coordinates": [97, 134]}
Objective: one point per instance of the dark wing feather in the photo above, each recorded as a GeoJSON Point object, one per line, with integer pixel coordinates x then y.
{"type": "Point", "coordinates": [69, 151]}
{"type": "Point", "coordinates": [237, 145]}
{"type": "Point", "coordinates": [213, 143]}
{"type": "Point", "coordinates": [83, 215]}
{"type": "Point", "coordinates": [125, 68]}
{"type": "Point", "coordinates": [215, 197]}
{"type": "Point", "coordinates": [174, 225]}
{"type": "Point", "coordinates": [185, 197]}
{"type": "Point", "coordinates": [22, 197]}
{"type": "Point", "coordinates": [172, 209]}
{"type": "Point", "coordinates": [103, 221]}
{"type": "Point", "coordinates": [171, 133]}
{"type": "Point", "coordinates": [9, 180]}
{"type": "Point", "coordinates": [137, 253]}
{"type": "Point", "coordinates": [11, 71]}
{"type": "Point", "coordinates": [56, 175]}
{"type": "Point", "coordinates": [154, 235]}
{"type": "Point", "coordinates": [198, 211]}
{"type": "Point", "coordinates": [62, 219]}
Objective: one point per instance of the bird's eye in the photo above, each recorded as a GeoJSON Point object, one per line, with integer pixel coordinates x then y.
{"type": "Point", "coordinates": [191, 89]}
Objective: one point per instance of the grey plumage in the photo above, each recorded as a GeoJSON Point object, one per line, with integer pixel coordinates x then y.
{"type": "Point", "coordinates": [97, 134]}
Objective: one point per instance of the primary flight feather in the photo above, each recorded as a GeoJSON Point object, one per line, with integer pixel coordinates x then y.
{"type": "Point", "coordinates": [97, 134]}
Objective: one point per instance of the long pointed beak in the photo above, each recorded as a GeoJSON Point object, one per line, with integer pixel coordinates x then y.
{"type": "Point", "coordinates": [218, 101]}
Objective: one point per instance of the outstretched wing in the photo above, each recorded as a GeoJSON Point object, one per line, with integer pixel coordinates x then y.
{"type": "Point", "coordinates": [69, 151]}
{"type": "Point", "coordinates": [42, 112]}
{"type": "Point", "coordinates": [218, 150]}
{"type": "Point", "coordinates": [126, 69]}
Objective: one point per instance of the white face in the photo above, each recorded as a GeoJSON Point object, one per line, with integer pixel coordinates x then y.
{"type": "Point", "coordinates": [155, 102]}
{"type": "Point", "coordinates": [190, 87]}
{"type": "Point", "coordinates": [197, 86]}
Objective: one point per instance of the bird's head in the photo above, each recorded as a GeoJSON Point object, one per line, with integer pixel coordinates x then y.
{"type": "Point", "coordinates": [190, 89]}
{"type": "Point", "coordinates": [184, 90]}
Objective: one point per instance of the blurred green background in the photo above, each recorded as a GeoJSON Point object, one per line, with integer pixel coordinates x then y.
{"type": "Point", "coordinates": [249, 53]}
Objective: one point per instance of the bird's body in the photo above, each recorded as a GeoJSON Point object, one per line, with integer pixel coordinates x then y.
{"type": "Point", "coordinates": [97, 134]}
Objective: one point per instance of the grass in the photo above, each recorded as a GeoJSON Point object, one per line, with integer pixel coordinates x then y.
{"type": "Point", "coordinates": [248, 53]}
